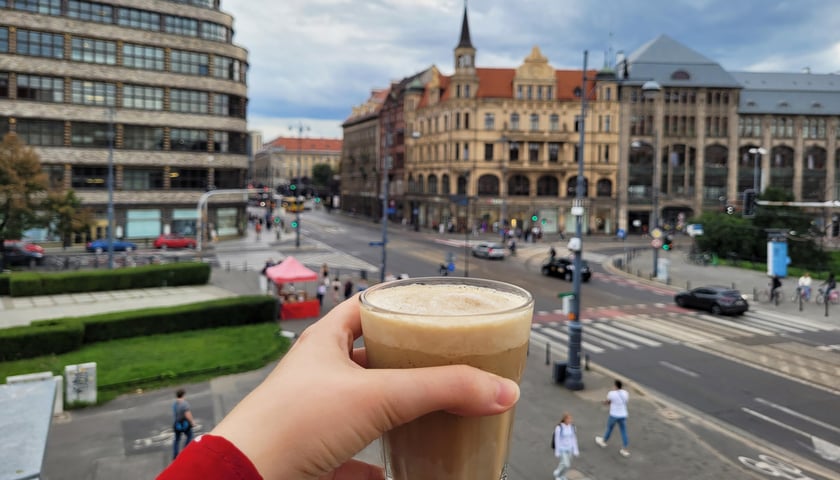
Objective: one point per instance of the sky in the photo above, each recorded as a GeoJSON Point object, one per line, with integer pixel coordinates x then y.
{"type": "Point", "coordinates": [311, 61]}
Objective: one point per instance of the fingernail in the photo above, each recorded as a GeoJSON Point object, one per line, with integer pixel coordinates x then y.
{"type": "Point", "coordinates": [507, 392]}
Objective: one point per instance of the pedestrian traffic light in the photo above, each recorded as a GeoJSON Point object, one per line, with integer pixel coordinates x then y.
{"type": "Point", "coordinates": [666, 242]}
{"type": "Point", "coordinates": [294, 224]}
{"type": "Point", "coordinates": [276, 220]}
{"type": "Point", "coordinates": [293, 187]}
{"type": "Point", "coordinates": [749, 203]}
{"type": "Point", "coordinates": [534, 217]}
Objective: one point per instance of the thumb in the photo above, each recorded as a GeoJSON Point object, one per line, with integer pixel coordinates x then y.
{"type": "Point", "coordinates": [463, 390]}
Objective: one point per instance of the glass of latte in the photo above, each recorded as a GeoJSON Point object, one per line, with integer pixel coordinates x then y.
{"type": "Point", "coordinates": [424, 322]}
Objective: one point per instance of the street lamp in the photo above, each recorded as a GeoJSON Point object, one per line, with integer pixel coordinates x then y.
{"type": "Point", "coordinates": [503, 185]}
{"type": "Point", "coordinates": [757, 153]}
{"type": "Point", "coordinates": [300, 129]}
{"type": "Point", "coordinates": [651, 89]}
{"type": "Point", "coordinates": [574, 374]}
{"type": "Point", "coordinates": [111, 114]}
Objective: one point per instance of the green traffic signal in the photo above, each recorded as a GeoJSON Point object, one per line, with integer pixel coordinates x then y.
{"type": "Point", "coordinates": [666, 247]}
{"type": "Point", "coordinates": [292, 187]}
{"type": "Point", "coordinates": [534, 218]}
{"type": "Point", "coordinates": [294, 224]}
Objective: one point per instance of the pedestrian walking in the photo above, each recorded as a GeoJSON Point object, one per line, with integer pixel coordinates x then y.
{"type": "Point", "coordinates": [322, 290]}
{"type": "Point", "coordinates": [348, 289]}
{"type": "Point", "coordinates": [617, 400]}
{"type": "Point", "coordinates": [264, 281]}
{"type": "Point", "coordinates": [552, 252]}
{"type": "Point", "coordinates": [565, 446]}
{"type": "Point", "coordinates": [183, 423]}
{"type": "Point", "coordinates": [336, 289]}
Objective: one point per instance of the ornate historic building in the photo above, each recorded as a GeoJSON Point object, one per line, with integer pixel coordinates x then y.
{"type": "Point", "coordinates": [284, 159]}
{"type": "Point", "coordinates": [158, 89]}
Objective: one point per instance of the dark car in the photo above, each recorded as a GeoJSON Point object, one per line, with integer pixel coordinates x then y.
{"type": "Point", "coordinates": [565, 268]}
{"type": "Point", "coordinates": [18, 254]}
{"type": "Point", "coordinates": [715, 299]}
{"type": "Point", "coordinates": [100, 246]}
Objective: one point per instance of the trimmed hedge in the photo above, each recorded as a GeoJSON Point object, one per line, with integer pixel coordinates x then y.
{"type": "Point", "coordinates": [62, 335]}
{"type": "Point", "coordinates": [41, 338]}
{"type": "Point", "coordinates": [5, 280]}
{"type": "Point", "coordinates": [25, 284]}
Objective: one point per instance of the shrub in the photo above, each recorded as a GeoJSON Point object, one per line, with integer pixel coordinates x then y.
{"type": "Point", "coordinates": [44, 337]}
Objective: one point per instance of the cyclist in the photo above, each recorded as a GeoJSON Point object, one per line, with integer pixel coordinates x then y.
{"type": "Point", "coordinates": [830, 284]}
{"type": "Point", "coordinates": [804, 286]}
{"type": "Point", "coordinates": [775, 288]}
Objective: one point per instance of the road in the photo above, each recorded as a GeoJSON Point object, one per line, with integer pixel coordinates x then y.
{"type": "Point", "coordinates": [761, 374]}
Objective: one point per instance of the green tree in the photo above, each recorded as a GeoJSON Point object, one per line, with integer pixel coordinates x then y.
{"type": "Point", "coordinates": [22, 188]}
{"type": "Point", "coordinates": [322, 174]}
{"type": "Point", "coordinates": [67, 215]}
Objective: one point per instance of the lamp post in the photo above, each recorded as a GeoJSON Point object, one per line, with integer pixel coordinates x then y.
{"type": "Point", "coordinates": [503, 184]}
{"type": "Point", "coordinates": [467, 225]}
{"type": "Point", "coordinates": [574, 374]}
{"type": "Point", "coordinates": [650, 89]}
{"type": "Point", "coordinates": [300, 129]}
{"type": "Point", "coordinates": [111, 115]}
{"type": "Point", "coordinates": [756, 153]}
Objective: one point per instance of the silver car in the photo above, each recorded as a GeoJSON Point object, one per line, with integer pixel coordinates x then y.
{"type": "Point", "coordinates": [489, 250]}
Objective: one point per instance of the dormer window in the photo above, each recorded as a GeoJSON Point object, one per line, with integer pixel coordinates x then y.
{"type": "Point", "coordinates": [578, 92]}
{"type": "Point", "coordinates": [680, 75]}
{"type": "Point", "coordinates": [751, 104]}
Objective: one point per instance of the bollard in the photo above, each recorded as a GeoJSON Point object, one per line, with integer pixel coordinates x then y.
{"type": "Point", "coordinates": [688, 285]}
{"type": "Point", "coordinates": [733, 286]}
{"type": "Point", "coordinates": [799, 294]}
{"type": "Point", "coordinates": [586, 361]}
{"type": "Point", "coordinates": [547, 353]}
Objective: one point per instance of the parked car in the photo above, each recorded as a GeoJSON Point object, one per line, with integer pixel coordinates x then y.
{"type": "Point", "coordinates": [715, 299]}
{"type": "Point", "coordinates": [565, 268]}
{"type": "Point", "coordinates": [174, 240]}
{"type": "Point", "coordinates": [101, 245]}
{"type": "Point", "coordinates": [489, 250]}
{"type": "Point", "coordinates": [32, 247]}
{"type": "Point", "coordinates": [17, 253]}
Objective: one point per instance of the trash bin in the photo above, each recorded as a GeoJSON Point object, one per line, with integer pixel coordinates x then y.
{"type": "Point", "coordinates": [566, 299]}
{"type": "Point", "coordinates": [559, 374]}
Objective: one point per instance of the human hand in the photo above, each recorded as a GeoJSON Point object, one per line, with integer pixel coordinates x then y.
{"type": "Point", "coordinates": [320, 406]}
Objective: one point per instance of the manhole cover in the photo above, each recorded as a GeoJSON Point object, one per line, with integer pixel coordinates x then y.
{"type": "Point", "coordinates": [670, 414]}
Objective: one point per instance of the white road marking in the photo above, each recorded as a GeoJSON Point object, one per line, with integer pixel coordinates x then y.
{"type": "Point", "coordinates": [677, 368]}
{"type": "Point", "coordinates": [823, 448]}
{"type": "Point", "coordinates": [622, 333]}
{"type": "Point", "coordinates": [796, 414]}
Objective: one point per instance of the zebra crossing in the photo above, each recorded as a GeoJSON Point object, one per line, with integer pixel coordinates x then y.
{"type": "Point", "coordinates": [638, 327]}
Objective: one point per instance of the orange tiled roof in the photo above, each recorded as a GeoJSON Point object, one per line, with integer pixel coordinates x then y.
{"type": "Point", "coordinates": [306, 144]}
{"type": "Point", "coordinates": [568, 80]}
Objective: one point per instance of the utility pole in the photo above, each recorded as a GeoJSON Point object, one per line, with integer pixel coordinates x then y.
{"type": "Point", "coordinates": [300, 129]}
{"type": "Point", "coordinates": [111, 115]}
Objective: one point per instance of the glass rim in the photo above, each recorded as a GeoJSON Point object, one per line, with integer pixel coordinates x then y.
{"type": "Point", "coordinates": [527, 297]}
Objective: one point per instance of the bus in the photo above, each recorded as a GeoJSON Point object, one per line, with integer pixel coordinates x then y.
{"type": "Point", "coordinates": [292, 204]}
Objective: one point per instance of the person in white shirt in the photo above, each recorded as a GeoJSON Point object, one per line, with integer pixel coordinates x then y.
{"type": "Point", "coordinates": [617, 400]}
{"type": "Point", "coordinates": [805, 286]}
{"type": "Point", "coordinates": [565, 445]}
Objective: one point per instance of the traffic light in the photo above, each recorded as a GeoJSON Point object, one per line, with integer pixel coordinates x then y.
{"type": "Point", "coordinates": [294, 224]}
{"type": "Point", "coordinates": [276, 220]}
{"type": "Point", "coordinates": [749, 203]}
{"type": "Point", "coordinates": [293, 187]}
{"type": "Point", "coordinates": [666, 242]}
{"type": "Point", "coordinates": [534, 217]}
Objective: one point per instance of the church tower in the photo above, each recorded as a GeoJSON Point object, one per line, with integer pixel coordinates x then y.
{"type": "Point", "coordinates": [465, 80]}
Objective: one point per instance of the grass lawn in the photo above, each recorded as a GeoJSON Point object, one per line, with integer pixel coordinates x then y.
{"type": "Point", "coordinates": [125, 365]}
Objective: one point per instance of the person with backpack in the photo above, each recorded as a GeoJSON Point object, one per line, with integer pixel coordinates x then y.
{"type": "Point", "coordinates": [565, 445]}
{"type": "Point", "coordinates": [183, 424]}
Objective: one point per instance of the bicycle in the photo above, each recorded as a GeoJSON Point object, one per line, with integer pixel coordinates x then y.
{"type": "Point", "coordinates": [834, 296]}
{"type": "Point", "coordinates": [797, 294]}
{"type": "Point", "coordinates": [766, 296]}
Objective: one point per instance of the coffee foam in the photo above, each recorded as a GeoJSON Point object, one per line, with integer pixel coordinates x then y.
{"type": "Point", "coordinates": [442, 318]}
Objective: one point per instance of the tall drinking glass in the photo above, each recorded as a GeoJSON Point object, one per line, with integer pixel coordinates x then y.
{"type": "Point", "coordinates": [424, 322]}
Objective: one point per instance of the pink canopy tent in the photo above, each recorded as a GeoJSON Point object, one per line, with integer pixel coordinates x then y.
{"type": "Point", "coordinates": [290, 270]}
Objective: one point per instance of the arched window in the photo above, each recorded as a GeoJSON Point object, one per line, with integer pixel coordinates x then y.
{"type": "Point", "coordinates": [604, 187]}
{"type": "Point", "coordinates": [488, 185]}
{"type": "Point", "coordinates": [514, 121]}
{"type": "Point", "coordinates": [571, 187]}
{"type": "Point", "coordinates": [420, 184]}
{"type": "Point", "coordinates": [519, 186]}
{"type": "Point", "coordinates": [547, 186]}
{"type": "Point", "coordinates": [433, 184]}
{"type": "Point", "coordinates": [444, 184]}
{"type": "Point", "coordinates": [462, 184]}
{"type": "Point", "coordinates": [680, 75]}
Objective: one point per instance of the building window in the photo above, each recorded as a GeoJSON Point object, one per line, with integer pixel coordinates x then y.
{"type": "Point", "coordinates": [85, 134]}
{"type": "Point", "coordinates": [608, 123]}
{"type": "Point", "coordinates": [533, 151]}
{"type": "Point", "coordinates": [180, 25]}
{"type": "Point", "coordinates": [489, 121]}
{"type": "Point", "coordinates": [224, 67]}
{"type": "Point", "coordinates": [577, 123]}
{"type": "Point", "coordinates": [549, 93]}
{"type": "Point", "coordinates": [535, 122]}
{"type": "Point", "coordinates": [488, 151]}
{"type": "Point", "coordinates": [553, 152]}
{"type": "Point", "coordinates": [94, 51]}
{"type": "Point", "coordinates": [188, 179]}
{"type": "Point", "coordinates": [90, 11]}
{"type": "Point", "coordinates": [514, 121]}
{"type": "Point", "coordinates": [514, 151]}
{"type": "Point", "coordinates": [142, 97]}
{"type": "Point", "coordinates": [4, 85]}
{"type": "Point", "coordinates": [530, 92]}
{"type": "Point", "coordinates": [41, 133]}
{"type": "Point", "coordinates": [188, 101]}
{"type": "Point", "coordinates": [213, 31]}
{"type": "Point", "coordinates": [89, 177]}
{"type": "Point", "coordinates": [4, 39]}
{"type": "Point", "coordinates": [142, 179]}
{"type": "Point", "coordinates": [45, 7]}
{"type": "Point", "coordinates": [40, 44]}
{"type": "Point", "coordinates": [221, 104]}
{"type": "Point", "coordinates": [93, 93]}
{"type": "Point", "coordinates": [554, 122]}
{"type": "Point", "coordinates": [228, 142]}
{"type": "Point", "coordinates": [519, 92]}
{"type": "Point", "coordinates": [466, 121]}
{"type": "Point", "coordinates": [142, 19]}
{"type": "Point", "coordinates": [237, 106]}
{"type": "Point", "coordinates": [138, 137]}
{"type": "Point", "coordinates": [190, 62]}
{"type": "Point", "coordinates": [139, 56]}
{"type": "Point", "coordinates": [42, 89]}
{"type": "Point", "coordinates": [55, 175]}
{"type": "Point", "coordinates": [183, 139]}
{"type": "Point", "coordinates": [467, 91]}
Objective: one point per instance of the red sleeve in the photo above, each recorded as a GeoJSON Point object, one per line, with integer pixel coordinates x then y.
{"type": "Point", "coordinates": [210, 457]}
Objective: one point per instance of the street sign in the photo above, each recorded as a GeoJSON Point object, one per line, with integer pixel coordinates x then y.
{"type": "Point", "coordinates": [621, 233]}
{"type": "Point", "coordinates": [656, 233]}
{"type": "Point", "coordinates": [656, 243]}
{"type": "Point", "coordinates": [376, 244]}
